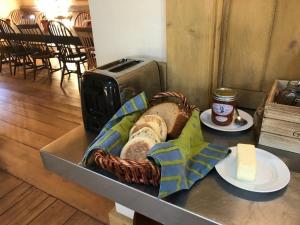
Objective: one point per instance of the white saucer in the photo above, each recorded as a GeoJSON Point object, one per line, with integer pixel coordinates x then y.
{"type": "Point", "coordinates": [205, 118]}
{"type": "Point", "coordinates": [271, 172]}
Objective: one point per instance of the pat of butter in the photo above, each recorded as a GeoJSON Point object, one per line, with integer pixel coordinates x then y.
{"type": "Point", "coordinates": [246, 162]}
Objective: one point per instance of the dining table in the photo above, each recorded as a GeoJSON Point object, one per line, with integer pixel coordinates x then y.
{"type": "Point", "coordinates": [44, 38]}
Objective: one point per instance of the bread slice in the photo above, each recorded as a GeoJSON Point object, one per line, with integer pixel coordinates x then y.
{"type": "Point", "coordinates": [155, 122]}
{"type": "Point", "coordinates": [146, 132]}
{"type": "Point", "coordinates": [137, 148]}
{"type": "Point", "coordinates": [174, 117]}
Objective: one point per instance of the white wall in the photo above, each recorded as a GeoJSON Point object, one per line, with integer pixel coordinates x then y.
{"type": "Point", "coordinates": [6, 6]}
{"type": "Point", "coordinates": [128, 28]}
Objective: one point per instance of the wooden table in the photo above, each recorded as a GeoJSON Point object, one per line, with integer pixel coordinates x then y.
{"type": "Point", "coordinates": [46, 38]}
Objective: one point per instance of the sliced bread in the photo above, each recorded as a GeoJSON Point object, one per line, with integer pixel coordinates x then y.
{"type": "Point", "coordinates": [155, 122]}
{"type": "Point", "coordinates": [137, 148]}
{"type": "Point", "coordinates": [146, 132]}
{"type": "Point", "coordinates": [174, 117]}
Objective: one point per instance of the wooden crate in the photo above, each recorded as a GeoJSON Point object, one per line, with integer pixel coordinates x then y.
{"type": "Point", "coordinates": [281, 123]}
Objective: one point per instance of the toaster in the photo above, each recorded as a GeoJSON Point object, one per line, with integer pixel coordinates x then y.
{"type": "Point", "coordinates": [105, 89]}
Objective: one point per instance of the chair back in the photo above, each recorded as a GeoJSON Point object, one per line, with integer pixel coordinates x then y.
{"type": "Point", "coordinates": [85, 35]}
{"type": "Point", "coordinates": [39, 17]}
{"type": "Point", "coordinates": [80, 18]}
{"type": "Point", "coordinates": [57, 28]}
{"type": "Point", "coordinates": [25, 20]}
{"type": "Point", "coordinates": [5, 28]}
{"type": "Point", "coordinates": [16, 16]}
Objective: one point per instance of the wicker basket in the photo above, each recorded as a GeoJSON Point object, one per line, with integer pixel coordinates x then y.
{"type": "Point", "coordinates": [138, 172]}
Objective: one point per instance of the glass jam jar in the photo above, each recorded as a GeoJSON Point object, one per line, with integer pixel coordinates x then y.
{"type": "Point", "coordinates": [223, 105]}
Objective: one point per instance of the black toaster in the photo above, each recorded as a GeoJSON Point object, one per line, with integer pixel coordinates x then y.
{"type": "Point", "coordinates": [106, 88]}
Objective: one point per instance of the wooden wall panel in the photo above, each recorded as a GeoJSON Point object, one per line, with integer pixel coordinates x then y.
{"type": "Point", "coordinates": [191, 28]}
{"type": "Point", "coordinates": [246, 43]}
{"type": "Point", "coordinates": [284, 59]}
{"type": "Point", "coordinates": [241, 44]}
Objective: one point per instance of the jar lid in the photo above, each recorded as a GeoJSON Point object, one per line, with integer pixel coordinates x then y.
{"type": "Point", "coordinates": [225, 92]}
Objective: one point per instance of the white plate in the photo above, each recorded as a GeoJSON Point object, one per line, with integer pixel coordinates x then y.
{"type": "Point", "coordinates": [271, 173]}
{"type": "Point", "coordinates": [205, 117]}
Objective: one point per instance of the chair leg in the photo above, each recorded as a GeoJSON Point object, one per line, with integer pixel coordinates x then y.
{"type": "Point", "coordinates": [10, 66]}
{"type": "Point", "coordinates": [34, 69]}
{"type": "Point", "coordinates": [69, 74]}
{"type": "Point", "coordinates": [78, 75]}
{"type": "Point", "coordinates": [24, 66]}
{"type": "Point", "coordinates": [50, 65]}
{"type": "Point", "coordinates": [60, 62]}
{"type": "Point", "coordinates": [62, 74]}
{"type": "Point", "coordinates": [47, 65]}
{"type": "Point", "coordinates": [15, 65]}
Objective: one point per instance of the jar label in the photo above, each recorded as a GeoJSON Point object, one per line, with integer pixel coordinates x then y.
{"type": "Point", "coordinates": [222, 109]}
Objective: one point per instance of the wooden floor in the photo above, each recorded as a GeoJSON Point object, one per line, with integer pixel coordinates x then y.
{"type": "Point", "coordinates": [21, 203]}
{"type": "Point", "coordinates": [35, 113]}
{"type": "Point", "coordinates": [32, 115]}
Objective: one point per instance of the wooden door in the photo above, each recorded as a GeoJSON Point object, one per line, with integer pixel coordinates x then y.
{"type": "Point", "coordinates": [191, 32]}
{"type": "Point", "coordinates": [240, 44]}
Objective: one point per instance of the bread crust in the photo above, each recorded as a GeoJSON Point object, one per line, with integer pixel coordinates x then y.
{"type": "Point", "coordinates": [179, 124]}
{"type": "Point", "coordinates": [175, 117]}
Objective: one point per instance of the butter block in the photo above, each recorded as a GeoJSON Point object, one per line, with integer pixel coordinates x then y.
{"type": "Point", "coordinates": [246, 162]}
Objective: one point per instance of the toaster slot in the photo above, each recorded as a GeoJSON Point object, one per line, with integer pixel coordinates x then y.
{"type": "Point", "coordinates": [113, 64]}
{"type": "Point", "coordinates": [125, 66]}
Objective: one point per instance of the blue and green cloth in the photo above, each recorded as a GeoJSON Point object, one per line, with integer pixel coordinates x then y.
{"type": "Point", "coordinates": [183, 161]}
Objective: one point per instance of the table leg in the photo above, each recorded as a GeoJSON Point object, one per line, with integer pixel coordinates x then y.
{"type": "Point", "coordinates": [140, 219]}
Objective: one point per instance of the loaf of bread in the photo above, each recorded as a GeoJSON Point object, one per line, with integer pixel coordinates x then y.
{"type": "Point", "coordinates": [174, 117]}
{"type": "Point", "coordinates": [137, 148]}
{"type": "Point", "coordinates": [154, 122]}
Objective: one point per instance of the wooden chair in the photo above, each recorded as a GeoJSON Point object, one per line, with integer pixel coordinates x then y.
{"type": "Point", "coordinates": [4, 54]}
{"type": "Point", "coordinates": [39, 17]}
{"type": "Point", "coordinates": [81, 18]}
{"type": "Point", "coordinates": [38, 50]}
{"type": "Point", "coordinates": [3, 47]}
{"type": "Point", "coordinates": [85, 35]}
{"type": "Point", "coordinates": [26, 20]}
{"type": "Point", "coordinates": [17, 54]}
{"type": "Point", "coordinates": [67, 53]}
{"type": "Point", "coordinates": [16, 16]}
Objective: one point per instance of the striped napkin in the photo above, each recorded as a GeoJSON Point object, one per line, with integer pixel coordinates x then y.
{"type": "Point", "coordinates": [183, 161]}
{"type": "Point", "coordinates": [115, 134]}
{"type": "Point", "coordinates": [186, 159]}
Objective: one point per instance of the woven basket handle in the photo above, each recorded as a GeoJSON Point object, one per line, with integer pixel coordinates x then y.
{"type": "Point", "coordinates": [183, 100]}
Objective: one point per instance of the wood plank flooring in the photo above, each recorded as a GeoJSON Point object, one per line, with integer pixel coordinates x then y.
{"type": "Point", "coordinates": [32, 115]}
{"type": "Point", "coordinates": [21, 203]}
